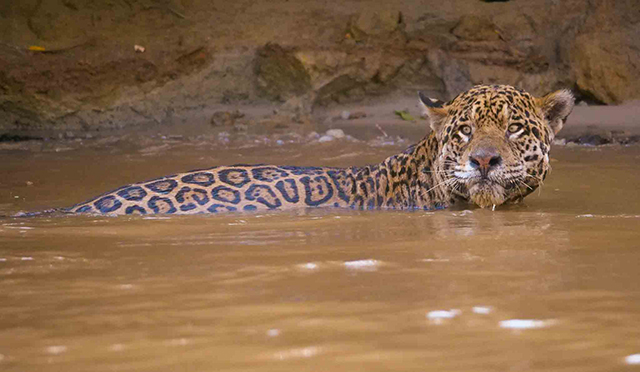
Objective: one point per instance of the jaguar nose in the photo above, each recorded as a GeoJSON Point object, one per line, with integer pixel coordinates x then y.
{"type": "Point", "coordinates": [485, 159]}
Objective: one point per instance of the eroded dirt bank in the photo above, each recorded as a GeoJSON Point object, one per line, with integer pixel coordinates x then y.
{"type": "Point", "coordinates": [70, 66]}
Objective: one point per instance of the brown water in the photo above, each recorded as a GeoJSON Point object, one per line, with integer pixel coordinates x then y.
{"type": "Point", "coordinates": [321, 289]}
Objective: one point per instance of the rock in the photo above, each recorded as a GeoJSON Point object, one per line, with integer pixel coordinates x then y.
{"type": "Point", "coordinates": [297, 109]}
{"type": "Point", "coordinates": [279, 74]}
{"type": "Point", "coordinates": [240, 127]}
{"type": "Point", "coordinates": [454, 73]}
{"type": "Point", "coordinates": [225, 118]}
{"type": "Point", "coordinates": [325, 138]}
{"type": "Point", "coordinates": [335, 133]}
{"type": "Point", "coordinates": [223, 137]}
{"type": "Point", "coordinates": [301, 105]}
{"type": "Point", "coordinates": [357, 115]}
{"type": "Point", "coordinates": [605, 65]}
{"type": "Point", "coordinates": [374, 22]}
{"type": "Point", "coordinates": [347, 115]}
{"type": "Point", "coordinates": [338, 88]}
{"type": "Point", "coordinates": [593, 137]}
{"type": "Point", "coordinates": [476, 28]}
{"type": "Point", "coordinates": [350, 73]}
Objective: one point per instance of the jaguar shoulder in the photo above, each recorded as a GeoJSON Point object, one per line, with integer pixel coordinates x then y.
{"type": "Point", "coordinates": [488, 146]}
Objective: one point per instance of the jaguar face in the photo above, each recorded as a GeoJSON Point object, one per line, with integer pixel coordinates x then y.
{"type": "Point", "coordinates": [494, 141]}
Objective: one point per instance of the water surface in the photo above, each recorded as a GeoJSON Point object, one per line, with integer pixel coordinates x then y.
{"type": "Point", "coordinates": [551, 285]}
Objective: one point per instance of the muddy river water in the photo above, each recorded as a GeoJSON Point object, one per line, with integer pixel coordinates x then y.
{"type": "Point", "coordinates": [552, 285]}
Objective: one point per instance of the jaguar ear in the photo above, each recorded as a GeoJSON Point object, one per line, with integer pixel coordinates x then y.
{"type": "Point", "coordinates": [434, 109]}
{"type": "Point", "coordinates": [556, 107]}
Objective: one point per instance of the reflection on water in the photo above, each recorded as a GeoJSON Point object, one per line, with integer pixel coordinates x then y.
{"type": "Point", "coordinates": [549, 285]}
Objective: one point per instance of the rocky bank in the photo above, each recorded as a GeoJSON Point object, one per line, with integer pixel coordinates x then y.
{"type": "Point", "coordinates": [95, 65]}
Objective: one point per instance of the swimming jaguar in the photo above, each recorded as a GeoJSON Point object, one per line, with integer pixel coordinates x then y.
{"type": "Point", "coordinates": [487, 146]}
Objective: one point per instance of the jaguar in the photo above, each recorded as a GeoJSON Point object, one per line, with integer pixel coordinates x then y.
{"type": "Point", "coordinates": [487, 146]}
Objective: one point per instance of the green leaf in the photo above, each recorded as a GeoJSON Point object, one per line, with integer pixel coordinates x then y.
{"type": "Point", "coordinates": [405, 115]}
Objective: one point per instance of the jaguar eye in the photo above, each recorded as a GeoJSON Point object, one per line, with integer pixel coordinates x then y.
{"type": "Point", "coordinates": [514, 128]}
{"type": "Point", "coordinates": [465, 129]}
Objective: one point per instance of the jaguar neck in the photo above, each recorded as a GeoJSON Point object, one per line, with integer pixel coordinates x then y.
{"type": "Point", "coordinates": [409, 180]}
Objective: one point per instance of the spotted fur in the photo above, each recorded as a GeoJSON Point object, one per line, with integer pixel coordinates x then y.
{"type": "Point", "coordinates": [455, 163]}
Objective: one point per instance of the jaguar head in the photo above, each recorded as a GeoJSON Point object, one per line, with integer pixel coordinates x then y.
{"type": "Point", "coordinates": [494, 141]}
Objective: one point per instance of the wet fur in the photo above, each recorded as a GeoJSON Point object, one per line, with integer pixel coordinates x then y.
{"type": "Point", "coordinates": [432, 174]}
